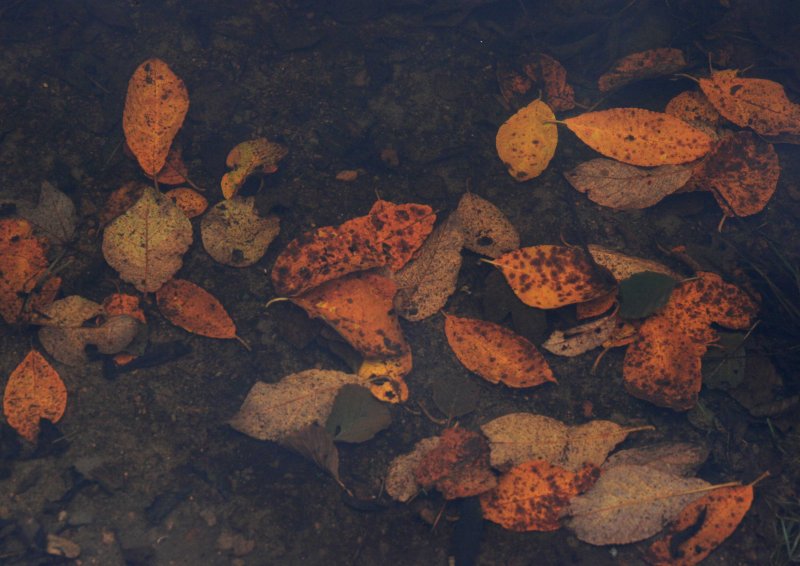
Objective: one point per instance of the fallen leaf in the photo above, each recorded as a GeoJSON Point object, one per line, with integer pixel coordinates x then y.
{"type": "Point", "coordinates": [146, 244]}
{"type": "Point", "coordinates": [258, 155]}
{"type": "Point", "coordinates": [549, 277]}
{"type": "Point", "coordinates": [384, 376]}
{"type": "Point", "coordinates": [34, 391]}
{"type": "Point", "coordinates": [400, 229]}
{"type": "Point", "coordinates": [694, 108]}
{"type": "Point", "coordinates": [486, 229]}
{"type": "Point", "coordinates": [640, 137]}
{"type": "Point", "coordinates": [68, 344]}
{"type": "Point", "coordinates": [758, 104]}
{"type": "Point", "coordinates": [234, 234]}
{"type": "Point", "coordinates": [120, 201]}
{"type": "Point", "coordinates": [642, 65]}
{"type": "Point", "coordinates": [273, 411]}
{"type": "Point", "coordinates": [527, 141]}
{"type": "Point", "coordinates": [458, 466]}
{"type": "Point", "coordinates": [643, 294]}
{"type": "Point", "coordinates": [582, 338]}
{"type": "Point", "coordinates": [701, 527]}
{"type": "Point", "coordinates": [622, 266]}
{"type": "Point", "coordinates": [677, 458]}
{"type": "Point", "coordinates": [73, 310]}
{"type": "Point", "coordinates": [316, 444]}
{"type": "Point", "coordinates": [155, 106]}
{"type": "Point", "coordinates": [631, 503]}
{"type": "Point", "coordinates": [174, 171]}
{"type": "Point", "coordinates": [496, 353]}
{"type": "Point", "coordinates": [120, 303]}
{"type": "Point", "coordinates": [54, 214]}
{"type": "Point", "coordinates": [356, 416]}
{"type": "Point", "coordinates": [533, 495]}
{"type": "Point", "coordinates": [191, 202]}
{"type": "Point", "coordinates": [194, 309]}
{"type": "Point", "coordinates": [597, 306]}
{"type": "Point", "coordinates": [536, 71]}
{"type": "Point", "coordinates": [400, 483]}
{"type": "Point", "coordinates": [24, 262]}
{"type": "Point", "coordinates": [455, 395]}
{"type": "Point", "coordinates": [624, 187]}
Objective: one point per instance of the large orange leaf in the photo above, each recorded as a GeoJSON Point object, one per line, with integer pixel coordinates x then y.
{"type": "Point", "coordinates": [758, 104]}
{"type": "Point", "coordinates": [533, 495]}
{"type": "Point", "coordinates": [400, 229]}
{"type": "Point", "coordinates": [527, 141]}
{"type": "Point", "coordinates": [701, 527]}
{"type": "Point", "coordinates": [155, 107]}
{"type": "Point", "coordinates": [548, 277]}
{"type": "Point", "coordinates": [22, 262]}
{"type": "Point", "coordinates": [194, 309]}
{"type": "Point", "coordinates": [360, 307]}
{"type": "Point", "coordinates": [640, 137]}
{"type": "Point", "coordinates": [496, 353]}
{"type": "Point", "coordinates": [34, 391]}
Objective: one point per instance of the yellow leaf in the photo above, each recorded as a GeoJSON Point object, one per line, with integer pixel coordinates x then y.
{"type": "Point", "coordinates": [247, 158]}
{"type": "Point", "coordinates": [527, 141]}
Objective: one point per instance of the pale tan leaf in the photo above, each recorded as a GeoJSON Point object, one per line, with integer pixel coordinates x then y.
{"type": "Point", "coordinates": [68, 344]}
{"type": "Point", "coordinates": [400, 483]}
{"type": "Point", "coordinates": [486, 229]}
{"type": "Point", "coordinates": [582, 338]}
{"type": "Point", "coordinates": [678, 458]}
{"type": "Point", "coordinates": [73, 310]}
{"type": "Point", "coordinates": [54, 214]}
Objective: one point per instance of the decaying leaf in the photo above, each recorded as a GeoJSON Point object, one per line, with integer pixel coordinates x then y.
{"type": "Point", "coordinates": [533, 495]}
{"type": "Point", "coordinates": [536, 71]}
{"type": "Point", "coordinates": [427, 281]}
{"type": "Point", "coordinates": [455, 395]}
{"type": "Point", "coordinates": [486, 229]}
{"type": "Point", "coordinates": [496, 353]}
{"type": "Point", "coordinates": [120, 200]}
{"type": "Point", "coordinates": [640, 137]}
{"type": "Point", "coordinates": [117, 304]}
{"type": "Point", "coordinates": [400, 483]}
{"type": "Point", "coordinates": [356, 416]}
{"type": "Point", "coordinates": [315, 443]}
{"type": "Point", "coordinates": [644, 293]}
{"type": "Point", "coordinates": [234, 234]}
{"type": "Point", "coordinates": [582, 338]}
{"type": "Point", "coordinates": [642, 65]}
{"type": "Point", "coordinates": [701, 527]}
{"type": "Point", "coordinates": [677, 458]}
{"type": "Point", "coordinates": [694, 108]}
{"type": "Point", "coordinates": [631, 503]}
{"type": "Point", "coordinates": [194, 309]}
{"type": "Point", "coordinates": [400, 229]}
{"type": "Point", "coordinates": [758, 104]}
{"type": "Point", "coordinates": [174, 171]}
{"type": "Point", "coordinates": [258, 155]}
{"type": "Point", "coordinates": [146, 244]}
{"type": "Point", "coordinates": [191, 202]}
{"type": "Point", "coordinates": [458, 466]}
{"type": "Point", "coordinates": [24, 262]}
{"type": "Point", "coordinates": [54, 214]}
{"type": "Point", "coordinates": [273, 411]}
{"type": "Point", "coordinates": [549, 277]}
{"type": "Point", "coordinates": [527, 141]}
{"type": "Point", "coordinates": [73, 310]}
{"type": "Point", "coordinates": [384, 376]}
{"type": "Point", "coordinates": [34, 391]}
{"type": "Point", "coordinates": [622, 266]}
{"type": "Point", "coordinates": [155, 106]}
{"type": "Point", "coordinates": [68, 344]}
{"type": "Point", "coordinates": [621, 186]}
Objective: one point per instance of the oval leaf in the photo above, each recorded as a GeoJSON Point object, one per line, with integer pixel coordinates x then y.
{"type": "Point", "coordinates": [525, 143]}
{"type": "Point", "coordinates": [194, 309]}
{"type": "Point", "coordinates": [234, 234]}
{"type": "Point", "coordinates": [34, 391]}
{"type": "Point", "coordinates": [356, 415]}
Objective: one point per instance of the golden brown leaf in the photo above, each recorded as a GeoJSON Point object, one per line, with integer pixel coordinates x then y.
{"type": "Point", "coordinates": [194, 309]}
{"type": "Point", "coordinates": [487, 231]}
{"type": "Point", "coordinates": [188, 200]}
{"type": "Point", "coordinates": [174, 171]}
{"type": "Point", "coordinates": [527, 141]}
{"type": "Point", "coordinates": [258, 155]}
{"type": "Point", "coordinates": [155, 106]}
{"type": "Point", "coordinates": [234, 234]}
{"type": "Point", "coordinates": [385, 376]}
{"type": "Point", "coordinates": [117, 304]}
{"type": "Point", "coordinates": [642, 65]}
{"type": "Point", "coordinates": [401, 485]}
{"type": "Point", "coordinates": [23, 262]}
{"type": "Point", "coordinates": [693, 107]}
{"type": "Point", "coordinates": [34, 391]}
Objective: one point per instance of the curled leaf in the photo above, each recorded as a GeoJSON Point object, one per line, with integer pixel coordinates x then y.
{"type": "Point", "coordinates": [247, 158]}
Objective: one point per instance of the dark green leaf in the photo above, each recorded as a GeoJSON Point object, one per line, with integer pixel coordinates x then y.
{"type": "Point", "coordinates": [642, 294]}
{"type": "Point", "coordinates": [356, 415]}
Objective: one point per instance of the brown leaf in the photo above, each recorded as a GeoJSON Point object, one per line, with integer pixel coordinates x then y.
{"type": "Point", "coordinates": [121, 200]}
{"type": "Point", "coordinates": [234, 234]}
{"type": "Point", "coordinates": [316, 444]}
{"type": "Point", "coordinates": [582, 338]}
{"type": "Point", "coordinates": [623, 266]}
{"type": "Point", "coordinates": [694, 108]}
{"type": "Point", "coordinates": [486, 229]}
{"type": "Point", "coordinates": [24, 262]}
{"type": "Point", "coordinates": [247, 158]}
{"type": "Point", "coordinates": [68, 344]}
{"type": "Point", "coordinates": [73, 310]}
{"type": "Point", "coordinates": [191, 202]}
{"type": "Point", "coordinates": [400, 484]}
{"type": "Point", "coordinates": [34, 391]}
{"type": "Point", "coordinates": [642, 65]}
{"type": "Point", "coordinates": [194, 309]}
{"type": "Point", "coordinates": [54, 214]}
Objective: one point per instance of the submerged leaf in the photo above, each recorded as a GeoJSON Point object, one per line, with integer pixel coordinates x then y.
{"type": "Point", "coordinates": [247, 158]}
{"type": "Point", "coordinates": [644, 293]}
{"type": "Point", "coordinates": [487, 231]}
{"type": "Point", "coordinates": [234, 234]}
{"type": "Point", "coordinates": [356, 416]}
{"type": "Point", "coordinates": [34, 391]}
{"type": "Point", "coordinates": [527, 141]}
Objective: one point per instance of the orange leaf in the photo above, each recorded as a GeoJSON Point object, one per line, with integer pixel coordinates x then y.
{"type": "Point", "coordinates": [34, 391]}
{"type": "Point", "coordinates": [23, 262]}
{"type": "Point", "coordinates": [548, 277]}
{"type": "Point", "coordinates": [549, 73]}
{"type": "Point", "coordinates": [174, 171]}
{"type": "Point", "coordinates": [692, 107]}
{"type": "Point", "coordinates": [121, 200]}
{"type": "Point", "coordinates": [642, 65]}
{"type": "Point", "coordinates": [155, 107]}
{"type": "Point", "coordinates": [385, 376]}
{"type": "Point", "coordinates": [401, 229]}
{"type": "Point", "coordinates": [532, 496]}
{"type": "Point", "coordinates": [701, 527]}
{"type": "Point", "coordinates": [527, 141]}
{"type": "Point", "coordinates": [247, 158]}
{"type": "Point", "coordinates": [758, 104]}
{"type": "Point", "coordinates": [188, 200]}
{"type": "Point", "coordinates": [640, 137]}
{"type": "Point", "coordinates": [360, 307]}
{"type": "Point", "coordinates": [496, 353]}
{"type": "Point", "coordinates": [194, 309]}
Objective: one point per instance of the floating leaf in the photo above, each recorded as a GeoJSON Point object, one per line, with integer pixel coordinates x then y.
{"type": "Point", "coordinates": [549, 277]}
{"type": "Point", "coordinates": [496, 353]}
{"type": "Point", "coordinates": [356, 416]}
{"type": "Point", "coordinates": [620, 186]}
{"type": "Point", "coordinates": [642, 65]}
{"type": "Point", "coordinates": [68, 344]}
{"type": "Point", "coordinates": [644, 293]}
{"type": "Point", "coordinates": [486, 229]}
{"type": "Point", "coordinates": [400, 484]}
{"type": "Point", "coordinates": [234, 234]}
{"type": "Point", "coordinates": [640, 137]}
{"type": "Point", "coordinates": [146, 244]}
{"type": "Point", "coordinates": [247, 158]}
{"type": "Point", "coordinates": [191, 202]}
{"type": "Point", "coordinates": [272, 411]}
{"type": "Point", "coordinates": [631, 503]}
{"type": "Point", "coordinates": [194, 309]}
{"type": "Point", "coordinates": [677, 458]}
{"type": "Point", "coordinates": [34, 391]}
{"type": "Point", "coordinates": [155, 106]}
{"type": "Point", "coordinates": [527, 141]}
{"type": "Point", "coordinates": [24, 262]}
{"type": "Point", "coordinates": [582, 338]}
{"type": "Point", "coordinates": [533, 495]}
{"type": "Point", "coordinates": [758, 104]}
{"type": "Point", "coordinates": [54, 214]}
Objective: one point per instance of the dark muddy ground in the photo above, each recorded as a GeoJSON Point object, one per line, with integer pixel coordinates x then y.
{"type": "Point", "coordinates": [143, 469]}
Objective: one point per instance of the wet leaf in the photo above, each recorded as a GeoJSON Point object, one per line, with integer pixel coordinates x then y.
{"type": "Point", "coordinates": [692, 107]}
{"type": "Point", "coordinates": [642, 65]}
{"type": "Point", "coordinates": [622, 266]}
{"type": "Point", "coordinates": [34, 391]}
{"type": "Point", "coordinates": [24, 262]}
{"type": "Point", "coordinates": [67, 344]}
{"type": "Point", "coordinates": [582, 338]}
{"type": "Point", "coordinates": [73, 310]}
{"type": "Point", "coordinates": [677, 458]}
{"type": "Point", "coordinates": [54, 214]}
{"type": "Point", "coordinates": [620, 186]}
{"type": "Point", "coordinates": [724, 367]}
{"type": "Point", "coordinates": [533, 495]}
{"type": "Point", "coordinates": [549, 277]}
{"type": "Point", "coordinates": [758, 104]}
{"type": "Point", "coordinates": [120, 201]}
{"type": "Point", "coordinates": [526, 143]}
{"type": "Point", "coordinates": [486, 229]}
{"type": "Point", "coordinates": [458, 466]}
{"type": "Point", "coordinates": [534, 73]}
{"type": "Point", "coordinates": [146, 244]}
{"type": "Point", "coordinates": [316, 444]}
{"type": "Point", "coordinates": [455, 395]}
{"type": "Point", "coordinates": [400, 483]}
{"type": "Point", "coordinates": [234, 234]}
{"type": "Point", "coordinates": [631, 503]}
{"type": "Point", "coordinates": [194, 309]}
{"type": "Point", "coordinates": [356, 416]}
{"type": "Point", "coordinates": [273, 411]}
{"type": "Point", "coordinates": [191, 202]}
{"type": "Point", "coordinates": [118, 304]}
{"type": "Point", "coordinates": [174, 171]}
{"type": "Point", "coordinates": [496, 353]}
{"type": "Point", "coordinates": [640, 137]}
{"type": "Point", "coordinates": [644, 293]}
{"type": "Point", "coordinates": [155, 106]}
{"type": "Point", "coordinates": [385, 377]}
{"type": "Point", "coordinates": [258, 155]}
{"type": "Point", "coordinates": [400, 229]}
